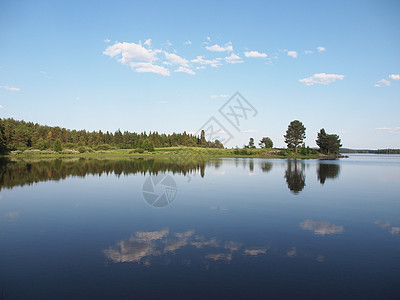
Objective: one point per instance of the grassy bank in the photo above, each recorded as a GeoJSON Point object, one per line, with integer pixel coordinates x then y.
{"type": "Point", "coordinates": [176, 153]}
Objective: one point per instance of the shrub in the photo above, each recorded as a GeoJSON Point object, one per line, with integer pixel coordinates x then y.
{"type": "Point", "coordinates": [104, 147]}
{"type": "Point", "coordinates": [48, 152]}
{"type": "Point", "coordinates": [32, 151]}
{"type": "Point", "coordinates": [85, 149]}
{"type": "Point", "coordinates": [69, 151]}
{"type": "Point", "coordinates": [137, 150]}
{"type": "Point", "coordinates": [15, 152]}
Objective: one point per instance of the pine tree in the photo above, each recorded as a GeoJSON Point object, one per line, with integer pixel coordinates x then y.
{"type": "Point", "coordinates": [295, 134]}
{"type": "Point", "coordinates": [328, 143]}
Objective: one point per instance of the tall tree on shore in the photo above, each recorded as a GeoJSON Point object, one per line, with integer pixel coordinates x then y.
{"type": "Point", "coordinates": [328, 143]}
{"type": "Point", "coordinates": [295, 134]}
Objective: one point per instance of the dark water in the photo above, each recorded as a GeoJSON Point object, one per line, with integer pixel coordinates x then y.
{"type": "Point", "coordinates": [233, 228]}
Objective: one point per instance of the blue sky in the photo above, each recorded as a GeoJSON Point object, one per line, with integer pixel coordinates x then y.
{"type": "Point", "coordinates": [170, 65]}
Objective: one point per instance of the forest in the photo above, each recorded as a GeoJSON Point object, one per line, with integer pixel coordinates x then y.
{"type": "Point", "coordinates": [21, 135]}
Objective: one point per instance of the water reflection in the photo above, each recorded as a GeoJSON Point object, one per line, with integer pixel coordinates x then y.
{"type": "Point", "coordinates": [21, 172]}
{"type": "Point", "coordinates": [292, 252]}
{"type": "Point", "coordinates": [386, 225]}
{"type": "Point", "coordinates": [141, 246]}
{"type": "Point", "coordinates": [321, 228]}
{"type": "Point", "coordinates": [144, 246]}
{"type": "Point", "coordinates": [295, 177]}
{"type": "Point", "coordinates": [255, 251]}
{"type": "Point", "coordinates": [266, 166]}
{"type": "Point", "coordinates": [327, 171]}
{"type": "Point", "coordinates": [251, 166]}
{"type": "Point", "coordinates": [26, 172]}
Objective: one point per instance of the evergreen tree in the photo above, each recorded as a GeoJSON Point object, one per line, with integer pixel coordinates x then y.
{"type": "Point", "coordinates": [3, 146]}
{"type": "Point", "coordinates": [148, 145]}
{"type": "Point", "coordinates": [328, 143]}
{"type": "Point", "coordinates": [203, 138]}
{"type": "Point", "coordinates": [295, 134]}
{"type": "Point", "coordinates": [57, 146]}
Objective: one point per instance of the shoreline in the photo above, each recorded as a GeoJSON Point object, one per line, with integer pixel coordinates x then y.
{"type": "Point", "coordinates": [177, 153]}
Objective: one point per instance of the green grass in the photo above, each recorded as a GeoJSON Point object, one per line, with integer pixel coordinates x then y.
{"type": "Point", "coordinates": [178, 153]}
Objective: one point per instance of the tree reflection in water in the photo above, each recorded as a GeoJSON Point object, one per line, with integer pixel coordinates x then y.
{"type": "Point", "coordinates": [266, 166]}
{"type": "Point", "coordinates": [327, 170]}
{"type": "Point", "coordinates": [28, 171]}
{"type": "Point", "coordinates": [19, 172]}
{"type": "Point", "coordinates": [295, 177]}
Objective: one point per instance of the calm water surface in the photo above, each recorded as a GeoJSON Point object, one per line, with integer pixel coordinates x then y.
{"type": "Point", "coordinates": [237, 228]}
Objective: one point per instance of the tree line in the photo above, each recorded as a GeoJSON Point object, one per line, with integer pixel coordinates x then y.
{"type": "Point", "coordinates": [21, 135]}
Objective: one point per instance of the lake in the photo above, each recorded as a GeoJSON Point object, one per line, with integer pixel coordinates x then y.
{"type": "Point", "coordinates": [228, 228]}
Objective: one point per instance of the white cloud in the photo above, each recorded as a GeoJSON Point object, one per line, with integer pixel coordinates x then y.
{"type": "Point", "coordinates": [292, 54]}
{"type": "Point", "coordinates": [233, 59]}
{"type": "Point", "coordinates": [200, 67]}
{"type": "Point", "coordinates": [395, 130]}
{"type": "Point", "coordinates": [218, 48]}
{"type": "Point", "coordinates": [308, 52]}
{"type": "Point", "coordinates": [255, 54]}
{"type": "Point", "coordinates": [176, 59]}
{"type": "Point", "coordinates": [201, 61]}
{"type": "Point", "coordinates": [249, 131]}
{"type": "Point", "coordinates": [130, 52]}
{"type": "Point", "coordinates": [10, 88]}
{"type": "Point", "coordinates": [1, 106]}
{"type": "Point", "coordinates": [148, 42]}
{"type": "Point", "coordinates": [395, 76]}
{"type": "Point", "coordinates": [382, 82]}
{"type": "Point", "coordinates": [208, 39]}
{"type": "Point", "coordinates": [321, 78]}
{"type": "Point", "coordinates": [150, 68]}
{"type": "Point", "coordinates": [188, 42]}
{"type": "Point", "coordinates": [137, 57]}
{"type": "Point", "coordinates": [107, 40]}
{"type": "Point", "coordinates": [321, 49]}
{"type": "Point", "coordinates": [185, 70]}
{"type": "Point", "coordinates": [219, 96]}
